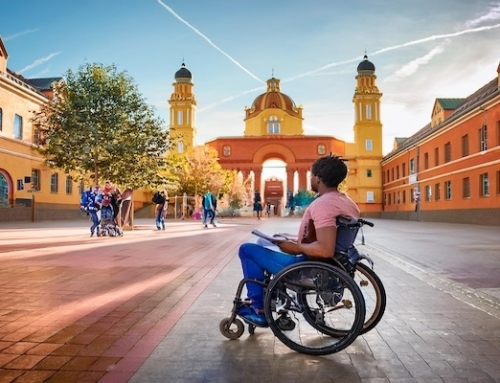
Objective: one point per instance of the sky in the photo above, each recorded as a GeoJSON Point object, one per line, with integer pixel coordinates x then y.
{"type": "Point", "coordinates": [421, 49]}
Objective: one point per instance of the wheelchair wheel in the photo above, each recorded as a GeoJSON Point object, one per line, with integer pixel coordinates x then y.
{"type": "Point", "coordinates": [333, 296]}
{"type": "Point", "coordinates": [373, 292]}
{"type": "Point", "coordinates": [231, 330]}
{"type": "Point", "coordinates": [374, 296]}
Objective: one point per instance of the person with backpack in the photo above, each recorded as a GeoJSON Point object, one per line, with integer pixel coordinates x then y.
{"type": "Point", "coordinates": [91, 202]}
{"type": "Point", "coordinates": [161, 201]}
{"type": "Point", "coordinates": [209, 204]}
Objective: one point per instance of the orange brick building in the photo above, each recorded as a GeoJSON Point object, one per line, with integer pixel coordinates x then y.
{"type": "Point", "coordinates": [449, 171]}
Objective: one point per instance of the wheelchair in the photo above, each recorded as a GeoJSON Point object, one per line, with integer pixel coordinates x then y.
{"type": "Point", "coordinates": [317, 307]}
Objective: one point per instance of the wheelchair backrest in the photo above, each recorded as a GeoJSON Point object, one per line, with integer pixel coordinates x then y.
{"type": "Point", "coordinates": [347, 229]}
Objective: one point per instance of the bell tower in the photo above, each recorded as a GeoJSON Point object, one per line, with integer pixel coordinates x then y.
{"type": "Point", "coordinates": [183, 111]}
{"type": "Point", "coordinates": [366, 168]}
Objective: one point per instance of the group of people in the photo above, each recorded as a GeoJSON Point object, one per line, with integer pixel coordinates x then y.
{"type": "Point", "coordinates": [258, 208]}
{"type": "Point", "coordinates": [103, 207]}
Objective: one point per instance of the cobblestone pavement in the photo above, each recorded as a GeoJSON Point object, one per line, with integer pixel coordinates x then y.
{"type": "Point", "coordinates": [146, 308]}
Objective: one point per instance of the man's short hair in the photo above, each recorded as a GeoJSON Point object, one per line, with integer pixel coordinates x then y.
{"type": "Point", "coordinates": [331, 169]}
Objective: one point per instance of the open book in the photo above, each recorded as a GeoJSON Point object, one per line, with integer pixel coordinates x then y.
{"type": "Point", "coordinates": [274, 239]}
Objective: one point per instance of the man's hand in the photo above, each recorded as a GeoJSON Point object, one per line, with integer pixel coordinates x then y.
{"type": "Point", "coordinates": [289, 247]}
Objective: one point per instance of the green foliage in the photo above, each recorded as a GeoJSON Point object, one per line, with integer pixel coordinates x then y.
{"type": "Point", "coordinates": [304, 197]}
{"type": "Point", "coordinates": [98, 124]}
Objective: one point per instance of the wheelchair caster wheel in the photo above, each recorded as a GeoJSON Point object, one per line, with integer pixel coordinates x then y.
{"type": "Point", "coordinates": [231, 330]}
{"type": "Point", "coordinates": [285, 323]}
{"type": "Point", "coordinates": [251, 329]}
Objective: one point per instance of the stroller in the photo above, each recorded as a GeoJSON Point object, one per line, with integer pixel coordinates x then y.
{"type": "Point", "coordinates": [109, 228]}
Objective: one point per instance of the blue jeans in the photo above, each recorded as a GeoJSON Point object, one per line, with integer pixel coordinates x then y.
{"type": "Point", "coordinates": [160, 218]}
{"type": "Point", "coordinates": [95, 221]}
{"type": "Point", "coordinates": [254, 260]}
{"type": "Point", "coordinates": [209, 215]}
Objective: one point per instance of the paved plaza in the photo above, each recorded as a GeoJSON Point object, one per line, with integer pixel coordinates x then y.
{"type": "Point", "coordinates": [146, 307]}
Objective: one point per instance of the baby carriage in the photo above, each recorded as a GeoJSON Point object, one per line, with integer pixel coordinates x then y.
{"type": "Point", "coordinates": [109, 228]}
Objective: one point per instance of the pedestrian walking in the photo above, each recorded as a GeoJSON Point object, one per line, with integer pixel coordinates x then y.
{"type": "Point", "coordinates": [209, 204]}
{"type": "Point", "coordinates": [160, 198]}
{"type": "Point", "coordinates": [91, 201]}
{"type": "Point", "coordinates": [257, 205]}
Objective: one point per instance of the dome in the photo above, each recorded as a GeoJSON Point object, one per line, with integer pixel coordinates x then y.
{"type": "Point", "coordinates": [183, 73]}
{"type": "Point", "coordinates": [273, 98]}
{"type": "Point", "coordinates": [366, 65]}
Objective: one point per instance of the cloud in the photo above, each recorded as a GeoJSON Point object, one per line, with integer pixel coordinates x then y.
{"type": "Point", "coordinates": [16, 35]}
{"type": "Point", "coordinates": [170, 10]}
{"type": "Point", "coordinates": [412, 66]}
{"type": "Point", "coordinates": [493, 14]}
{"type": "Point", "coordinates": [39, 62]}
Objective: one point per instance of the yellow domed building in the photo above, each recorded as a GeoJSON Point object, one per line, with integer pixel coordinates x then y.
{"type": "Point", "coordinates": [274, 130]}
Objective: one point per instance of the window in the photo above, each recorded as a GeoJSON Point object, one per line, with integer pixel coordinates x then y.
{"type": "Point", "coordinates": [426, 161]}
{"type": "Point", "coordinates": [18, 127]}
{"type": "Point", "coordinates": [483, 138]}
{"type": "Point", "coordinates": [69, 185]}
{"type": "Point", "coordinates": [1, 119]}
{"type": "Point", "coordinates": [35, 179]}
{"type": "Point", "coordinates": [369, 173]}
{"type": "Point", "coordinates": [397, 172]}
{"type": "Point", "coordinates": [321, 149]}
{"type": "Point", "coordinates": [368, 110]}
{"type": "Point", "coordinates": [369, 145]}
{"type": "Point", "coordinates": [273, 125]}
{"type": "Point", "coordinates": [392, 174]}
{"type": "Point", "coordinates": [498, 128]}
{"type": "Point", "coordinates": [404, 196]}
{"type": "Point", "coordinates": [412, 166]}
{"type": "Point", "coordinates": [466, 187]}
{"type": "Point", "coordinates": [389, 202]}
{"type": "Point", "coordinates": [227, 150]}
{"type": "Point", "coordinates": [436, 157]}
{"type": "Point", "coordinates": [447, 190]}
{"type": "Point", "coordinates": [180, 117]}
{"type": "Point", "coordinates": [484, 185]}
{"type": "Point", "coordinates": [54, 187]}
{"type": "Point", "coordinates": [437, 191]}
{"type": "Point", "coordinates": [428, 193]}
{"type": "Point", "coordinates": [447, 152]}
{"type": "Point", "coordinates": [388, 176]}
{"type": "Point", "coordinates": [180, 147]}
{"type": "Point", "coordinates": [465, 145]}
{"type": "Point", "coordinates": [403, 168]}
{"type": "Point", "coordinates": [498, 182]}
{"type": "Point", "coordinates": [369, 197]}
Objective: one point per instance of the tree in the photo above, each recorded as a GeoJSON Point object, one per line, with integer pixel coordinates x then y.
{"type": "Point", "coordinates": [196, 171]}
{"type": "Point", "coordinates": [99, 126]}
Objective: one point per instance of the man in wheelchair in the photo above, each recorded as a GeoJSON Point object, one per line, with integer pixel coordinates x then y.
{"type": "Point", "coordinates": [317, 236]}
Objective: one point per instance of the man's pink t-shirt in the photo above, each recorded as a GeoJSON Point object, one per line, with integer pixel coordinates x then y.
{"type": "Point", "coordinates": [325, 209]}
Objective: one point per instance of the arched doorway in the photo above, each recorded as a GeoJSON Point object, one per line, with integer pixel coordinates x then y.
{"type": "Point", "coordinates": [6, 190]}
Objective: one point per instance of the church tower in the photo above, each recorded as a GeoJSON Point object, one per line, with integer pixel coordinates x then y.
{"type": "Point", "coordinates": [183, 111]}
{"type": "Point", "coordinates": [366, 152]}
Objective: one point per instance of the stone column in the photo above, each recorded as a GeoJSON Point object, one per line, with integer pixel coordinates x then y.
{"type": "Point", "coordinates": [257, 180]}
{"type": "Point", "coordinates": [302, 179]}
{"type": "Point", "coordinates": [289, 180]}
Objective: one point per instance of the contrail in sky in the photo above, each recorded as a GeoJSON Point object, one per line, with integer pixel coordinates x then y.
{"type": "Point", "coordinates": [208, 40]}
{"type": "Point", "coordinates": [39, 62]}
{"type": "Point", "coordinates": [394, 47]}
{"type": "Point", "coordinates": [11, 37]}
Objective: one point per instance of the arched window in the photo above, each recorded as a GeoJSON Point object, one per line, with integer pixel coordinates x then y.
{"type": "Point", "coordinates": [180, 147]}
{"type": "Point", "coordinates": [273, 125]}
{"type": "Point", "coordinates": [227, 151]}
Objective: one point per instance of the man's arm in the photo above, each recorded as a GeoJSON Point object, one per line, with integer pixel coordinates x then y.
{"type": "Point", "coordinates": [323, 247]}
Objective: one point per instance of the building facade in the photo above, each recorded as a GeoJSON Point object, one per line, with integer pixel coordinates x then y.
{"type": "Point", "coordinates": [29, 190]}
{"type": "Point", "coordinates": [449, 171]}
{"type": "Point", "coordinates": [274, 130]}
